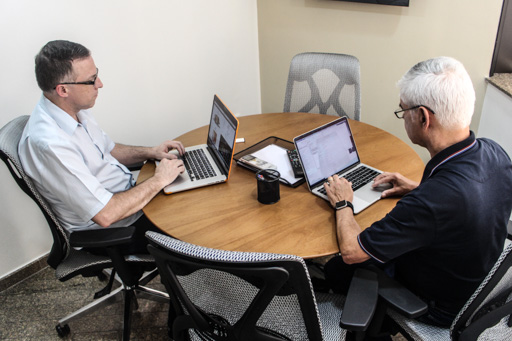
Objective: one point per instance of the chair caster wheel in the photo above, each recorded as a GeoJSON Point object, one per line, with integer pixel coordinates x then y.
{"type": "Point", "coordinates": [62, 330]}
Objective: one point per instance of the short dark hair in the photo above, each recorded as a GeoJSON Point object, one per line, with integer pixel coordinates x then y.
{"type": "Point", "coordinates": [54, 62]}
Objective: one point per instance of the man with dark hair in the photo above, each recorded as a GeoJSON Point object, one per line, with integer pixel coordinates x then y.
{"type": "Point", "coordinates": [447, 231]}
{"type": "Point", "coordinates": [55, 61]}
{"type": "Point", "coordinates": [79, 170]}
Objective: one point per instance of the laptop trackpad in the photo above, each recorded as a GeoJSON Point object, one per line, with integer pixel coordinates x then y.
{"type": "Point", "coordinates": [368, 194]}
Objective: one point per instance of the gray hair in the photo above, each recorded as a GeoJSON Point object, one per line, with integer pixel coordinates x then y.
{"type": "Point", "coordinates": [443, 85]}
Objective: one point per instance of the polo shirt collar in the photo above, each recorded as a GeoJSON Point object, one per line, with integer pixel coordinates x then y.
{"type": "Point", "coordinates": [62, 118]}
{"type": "Point", "coordinates": [447, 154]}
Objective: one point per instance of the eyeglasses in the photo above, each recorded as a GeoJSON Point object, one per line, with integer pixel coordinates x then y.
{"type": "Point", "coordinates": [91, 82]}
{"type": "Point", "coordinates": [398, 111]}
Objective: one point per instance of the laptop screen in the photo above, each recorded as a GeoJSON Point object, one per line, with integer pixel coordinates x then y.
{"type": "Point", "coordinates": [327, 150]}
{"type": "Point", "coordinates": [222, 134]}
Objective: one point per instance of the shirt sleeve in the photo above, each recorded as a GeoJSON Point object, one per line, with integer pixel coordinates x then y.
{"type": "Point", "coordinates": [67, 178]}
{"type": "Point", "coordinates": [409, 226]}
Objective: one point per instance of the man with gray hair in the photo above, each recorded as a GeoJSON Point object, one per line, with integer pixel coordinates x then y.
{"type": "Point", "coordinates": [446, 232]}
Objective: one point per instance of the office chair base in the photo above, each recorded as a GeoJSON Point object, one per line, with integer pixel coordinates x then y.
{"type": "Point", "coordinates": [115, 296]}
{"type": "Point", "coordinates": [118, 294]}
{"type": "Point", "coordinates": [62, 331]}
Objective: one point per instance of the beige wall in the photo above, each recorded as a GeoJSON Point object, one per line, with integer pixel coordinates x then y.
{"type": "Point", "coordinates": [161, 62]}
{"type": "Point", "coordinates": [387, 40]}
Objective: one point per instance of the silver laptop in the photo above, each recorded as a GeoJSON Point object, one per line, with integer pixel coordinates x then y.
{"type": "Point", "coordinates": [331, 149]}
{"type": "Point", "coordinates": [210, 163]}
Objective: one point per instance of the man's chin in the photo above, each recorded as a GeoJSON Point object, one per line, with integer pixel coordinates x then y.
{"type": "Point", "coordinates": [92, 103]}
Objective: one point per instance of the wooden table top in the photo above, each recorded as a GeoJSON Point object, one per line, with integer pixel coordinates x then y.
{"type": "Point", "coordinates": [228, 216]}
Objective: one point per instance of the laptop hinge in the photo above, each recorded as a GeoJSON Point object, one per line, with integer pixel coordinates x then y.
{"type": "Point", "coordinates": [218, 162]}
{"type": "Point", "coordinates": [349, 168]}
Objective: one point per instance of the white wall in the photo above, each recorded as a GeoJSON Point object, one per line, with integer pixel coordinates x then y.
{"type": "Point", "coordinates": [161, 62]}
{"type": "Point", "coordinates": [388, 40]}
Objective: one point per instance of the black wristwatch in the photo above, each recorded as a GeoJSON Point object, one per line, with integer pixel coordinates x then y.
{"type": "Point", "coordinates": [343, 204]}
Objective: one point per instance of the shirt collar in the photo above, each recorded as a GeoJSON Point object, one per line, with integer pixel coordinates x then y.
{"type": "Point", "coordinates": [448, 154]}
{"type": "Point", "coordinates": [62, 118]}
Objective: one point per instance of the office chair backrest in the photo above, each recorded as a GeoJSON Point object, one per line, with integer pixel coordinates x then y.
{"type": "Point", "coordinates": [225, 295]}
{"type": "Point", "coordinates": [10, 136]}
{"type": "Point", "coordinates": [493, 296]}
{"type": "Point", "coordinates": [324, 83]}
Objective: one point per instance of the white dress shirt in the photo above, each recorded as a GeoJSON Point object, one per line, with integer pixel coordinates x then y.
{"type": "Point", "coordinates": [71, 165]}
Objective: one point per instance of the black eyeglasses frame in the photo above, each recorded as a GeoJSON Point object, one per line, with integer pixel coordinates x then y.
{"type": "Point", "coordinates": [91, 82]}
{"type": "Point", "coordinates": [411, 108]}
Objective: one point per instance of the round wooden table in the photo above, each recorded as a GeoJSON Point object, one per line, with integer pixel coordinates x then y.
{"type": "Point", "coordinates": [228, 216]}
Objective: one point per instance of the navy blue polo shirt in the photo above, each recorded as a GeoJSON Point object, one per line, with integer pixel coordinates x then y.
{"type": "Point", "coordinates": [445, 235]}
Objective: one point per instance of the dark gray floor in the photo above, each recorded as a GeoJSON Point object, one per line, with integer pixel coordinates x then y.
{"type": "Point", "coordinates": [31, 309]}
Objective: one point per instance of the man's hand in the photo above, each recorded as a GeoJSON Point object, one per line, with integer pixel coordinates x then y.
{"type": "Point", "coordinates": [124, 204]}
{"type": "Point", "coordinates": [168, 170]}
{"type": "Point", "coordinates": [162, 151]}
{"type": "Point", "coordinates": [401, 184]}
{"type": "Point", "coordinates": [338, 189]}
{"type": "Point", "coordinates": [347, 228]}
{"type": "Point", "coordinates": [130, 155]}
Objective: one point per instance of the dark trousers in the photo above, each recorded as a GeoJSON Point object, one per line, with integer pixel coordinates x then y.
{"type": "Point", "coordinates": [142, 225]}
{"type": "Point", "coordinates": [339, 274]}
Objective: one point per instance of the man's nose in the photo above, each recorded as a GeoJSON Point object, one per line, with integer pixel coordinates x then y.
{"type": "Point", "coordinates": [98, 84]}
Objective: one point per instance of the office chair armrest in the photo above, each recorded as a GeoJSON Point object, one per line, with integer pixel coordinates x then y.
{"type": "Point", "coordinates": [399, 297]}
{"type": "Point", "coordinates": [101, 238]}
{"type": "Point", "coordinates": [361, 301]}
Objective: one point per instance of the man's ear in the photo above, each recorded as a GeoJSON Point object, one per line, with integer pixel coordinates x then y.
{"type": "Point", "coordinates": [425, 117]}
{"type": "Point", "coordinates": [61, 90]}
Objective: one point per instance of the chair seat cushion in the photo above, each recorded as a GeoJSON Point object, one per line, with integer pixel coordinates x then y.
{"type": "Point", "coordinates": [329, 308]}
{"type": "Point", "coordinates": [419, 330]}
{"type": "Point", "coordinates": [87, 264]}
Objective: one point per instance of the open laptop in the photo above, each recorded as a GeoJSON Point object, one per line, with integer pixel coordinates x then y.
{"type": "Point", "coordinates": [331, 149]}
{"type": "Point", "coordinates": [209, 163]}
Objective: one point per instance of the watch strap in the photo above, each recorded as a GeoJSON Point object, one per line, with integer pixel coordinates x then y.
{"type": "Point", "coordinates": [343, 204]}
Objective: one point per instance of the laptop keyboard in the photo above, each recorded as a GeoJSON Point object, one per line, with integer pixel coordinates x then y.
{"type": "Point", "coordinates": [359, 177]}
{"type": "Point", "coordinates": [197, 165]}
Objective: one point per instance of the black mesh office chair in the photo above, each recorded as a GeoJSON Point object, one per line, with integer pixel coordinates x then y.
{"type": "Point", "coordinates": [69, 262]}
{"type": "Point", "coordinates": [324, 83]}
{"type": "Point", "coordinates": [487, 315]}
{"type": "Point", "coordinates": [226, 295]}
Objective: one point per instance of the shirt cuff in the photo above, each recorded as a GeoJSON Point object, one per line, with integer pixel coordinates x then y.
{"type": "Point", "coordinates": [365, 249]}
{"type": "Point", "coordinates": [103, 201]}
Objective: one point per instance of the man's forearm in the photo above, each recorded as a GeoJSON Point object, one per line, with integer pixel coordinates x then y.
{"type": "Point", "coordinates": [129, 155]}
{"type": "Point", "coordinates": [124, 204]}
{"type": "Point", "coordinates": [347, 230]}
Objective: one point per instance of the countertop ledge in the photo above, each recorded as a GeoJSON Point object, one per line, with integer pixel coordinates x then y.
{"type": "Point", "coordinates": [502, 81]}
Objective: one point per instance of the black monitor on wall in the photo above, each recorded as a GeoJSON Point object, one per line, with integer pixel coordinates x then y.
{"type": "Point", "coordinates": [383, 2]}
{"type": "Point", "coordinates": [502, 57]}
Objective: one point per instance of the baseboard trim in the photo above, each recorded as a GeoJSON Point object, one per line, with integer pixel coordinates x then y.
{"type": "Point", "coordinates": [23, 273]}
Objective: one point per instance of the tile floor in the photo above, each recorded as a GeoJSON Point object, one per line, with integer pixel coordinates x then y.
{"type": "Point", "coordinates": [31, 309]}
